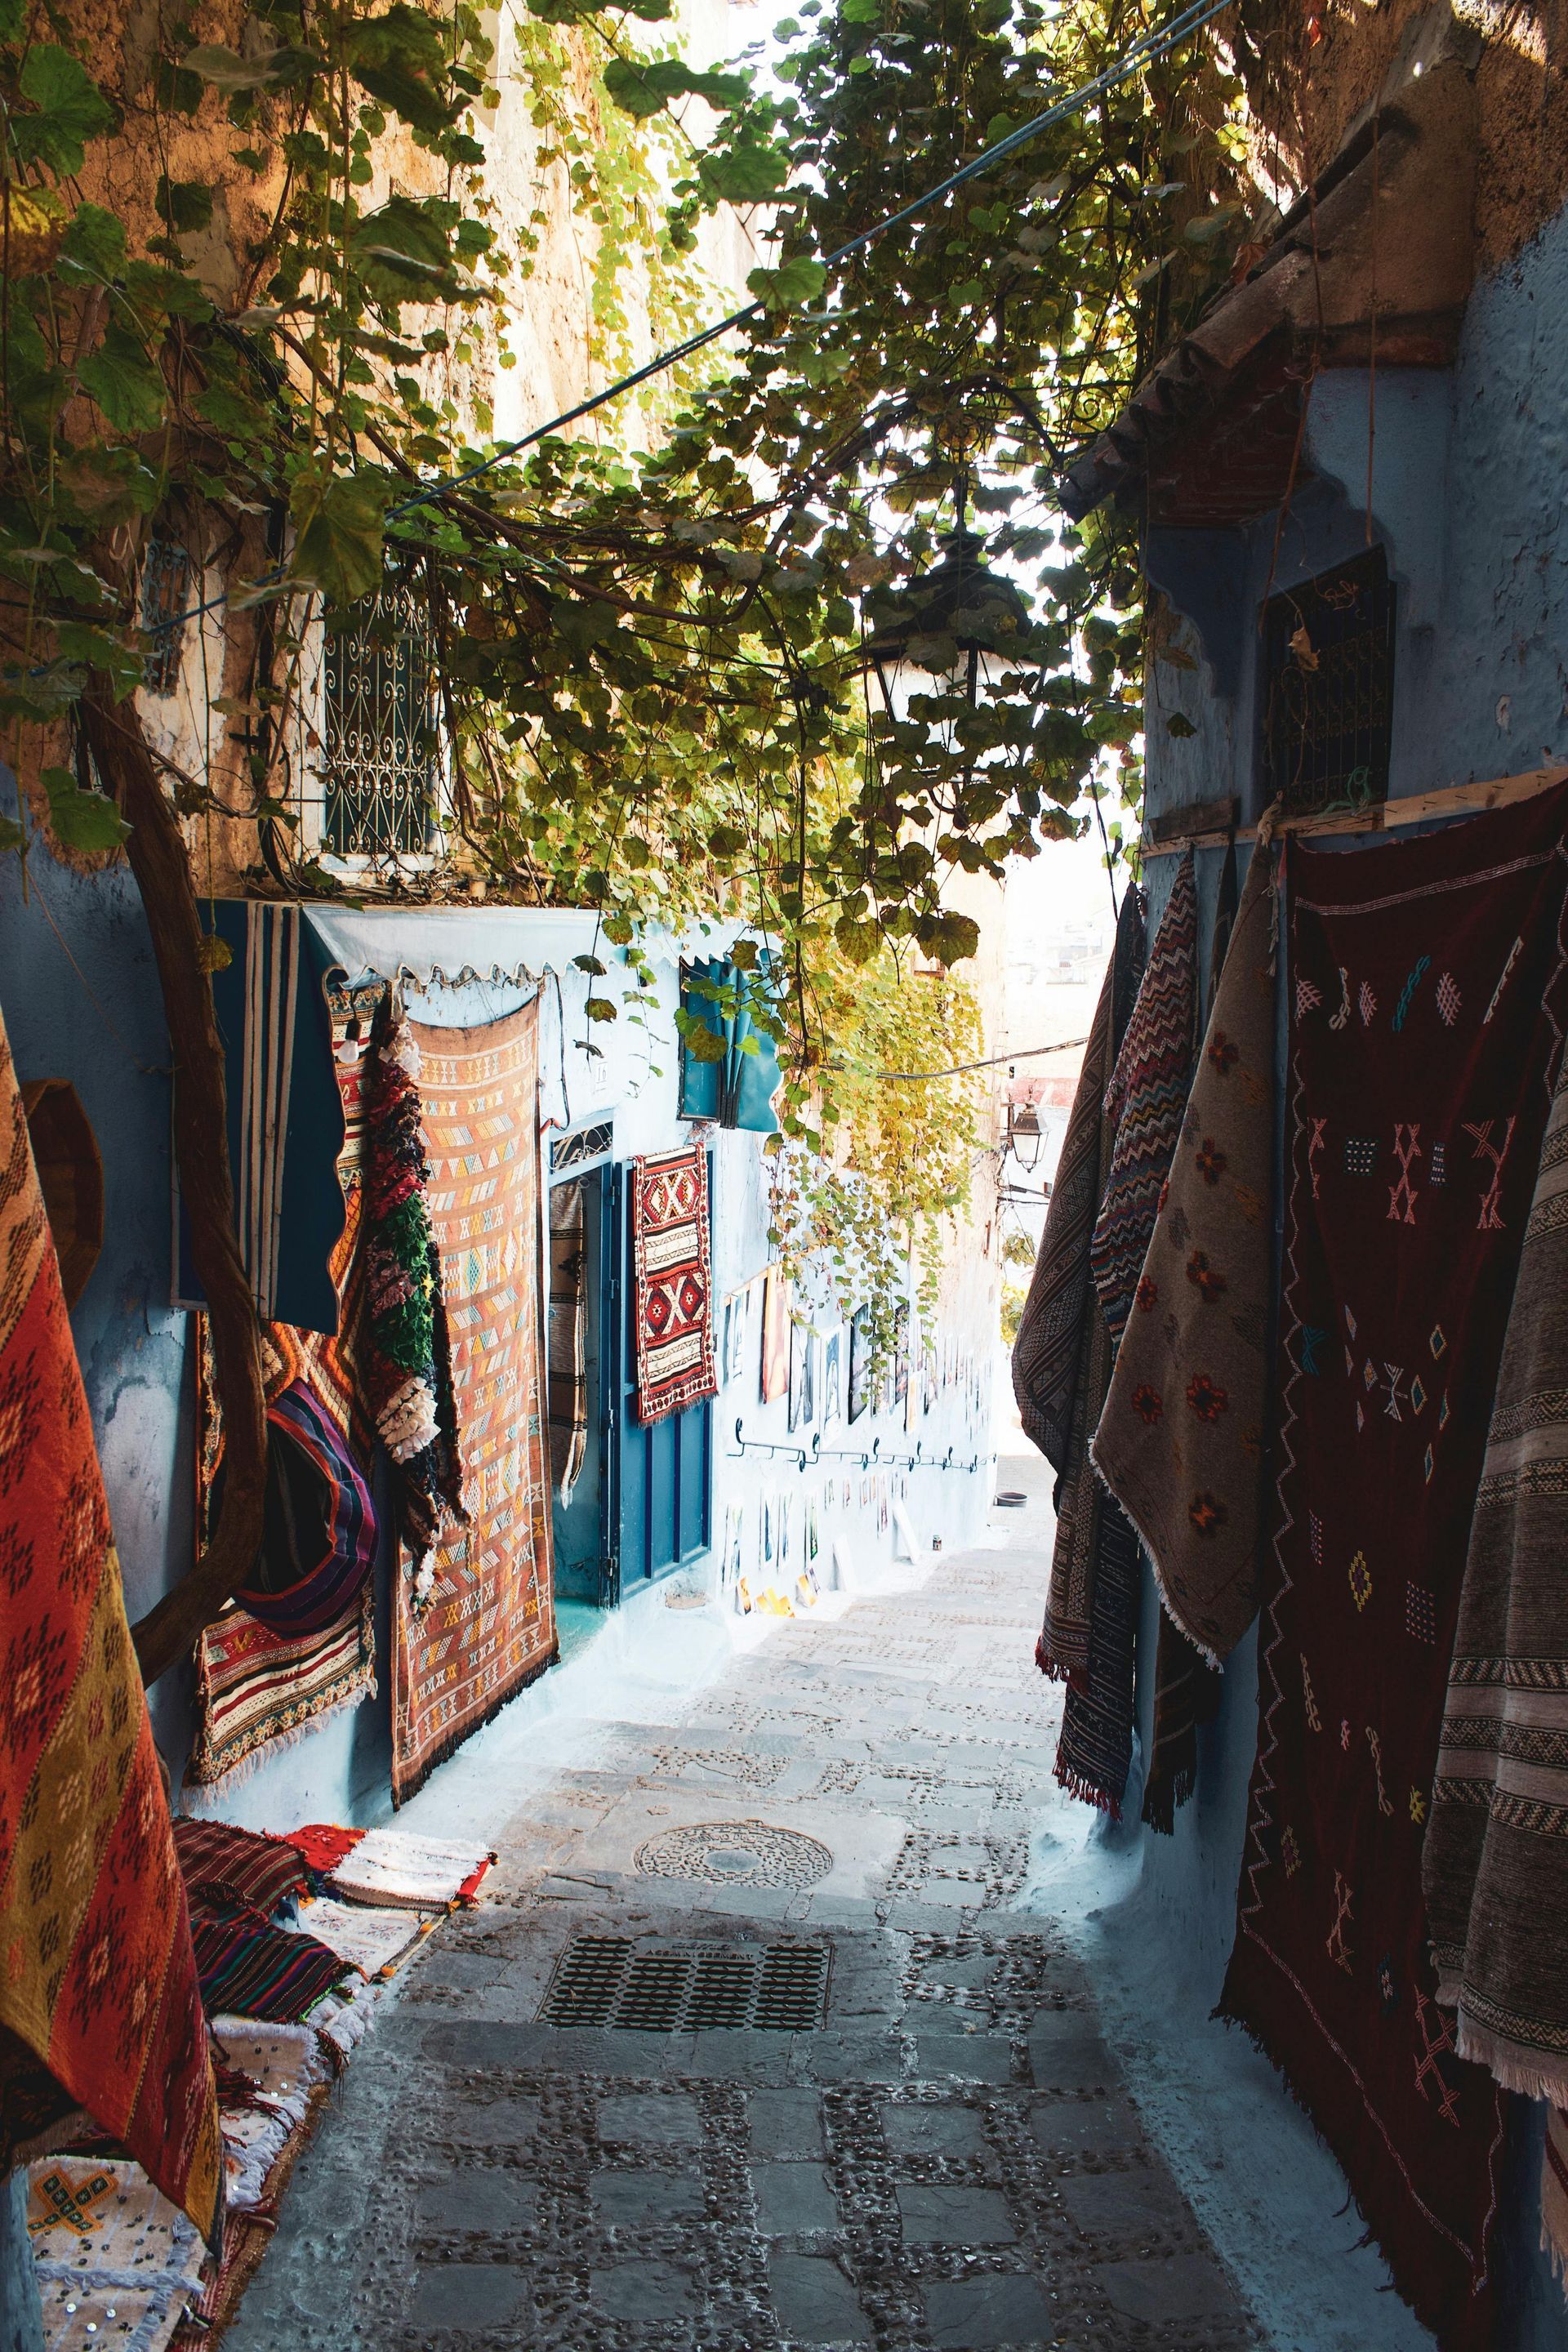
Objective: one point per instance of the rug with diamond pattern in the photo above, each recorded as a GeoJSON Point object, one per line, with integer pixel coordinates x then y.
{"type": "Point", "coordinates": [673, 1307]}
{"type": "Point", "coordinates": [488, 1625]}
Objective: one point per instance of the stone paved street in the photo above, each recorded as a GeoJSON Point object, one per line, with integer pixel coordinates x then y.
{"type": "Point", "coordinates": [948, 2160]}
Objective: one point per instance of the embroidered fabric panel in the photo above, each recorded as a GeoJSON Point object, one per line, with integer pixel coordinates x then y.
{"type": "Point", "coordinates": [673, 1307]}
{"type": "Point", "coordinates": [1427, 979]}
{"type": "Point", "coordinates": [488, 1624]}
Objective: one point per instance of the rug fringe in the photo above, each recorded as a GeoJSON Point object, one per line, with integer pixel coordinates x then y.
{"type": "Point", "coordinates": [1528, 2073]}
{"type": "Point", "coordinates": [449, 1744]}
{"type": "Point", "coordinates": [1088, 1791]}
{"type": "Point", "coordinates": [210, 1787]}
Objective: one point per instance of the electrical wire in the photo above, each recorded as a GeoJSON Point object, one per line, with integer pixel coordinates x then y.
{"type": "Point", "coordinates": [960, 1070]}
{"type": "Point", "coordinates": [1145, 52]}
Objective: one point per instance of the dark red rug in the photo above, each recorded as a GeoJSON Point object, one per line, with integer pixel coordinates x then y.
{"type": "Point", "coordinates": [1425, 988]}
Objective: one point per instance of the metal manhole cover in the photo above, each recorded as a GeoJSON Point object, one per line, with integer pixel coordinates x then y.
{"type": "Point", "coordinates": [601, 1981]}
{"type": "Point", "coordinates": [736, 1853]}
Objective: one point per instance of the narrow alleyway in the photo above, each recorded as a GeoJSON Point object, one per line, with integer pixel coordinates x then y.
{"type": "Point", "coordinates": [947, 2159]}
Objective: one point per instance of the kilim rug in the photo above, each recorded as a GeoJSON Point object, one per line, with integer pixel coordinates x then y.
{"type": "Point", "coordinates": [256, 1688]}
{"type": "Point", "coordinates": [1180, 1443]}
{"type": "Point", "coordinates": [251, 1969]}
{"type": "Point", "coordinates": [487, 1624]}
{"type": "Point", "coordinates": [568, 1334]}
{"type": "Point", "coordinates": [1424, 986]}
{"type": "Point", "coordinates": [225, 1860]}
{"type": "Point", "coordinates": [395, 1866]}
{"type": "Point", "coordinates": [672, 1311]}
{"type": "Point", "coordinates": [1496, 1865]}
{"type": "Point", "coordinates": [1144, 1104]}
{"type": "Point", "coordinates": [104, 2241]}
{"type": "Point", "coordinates": [98, 1981]}
{"type": "Point", "coordinates": [1061, 1357]}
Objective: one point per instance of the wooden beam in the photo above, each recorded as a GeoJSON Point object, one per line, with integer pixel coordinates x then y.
{"type": "Point", "coordinates": [1199, 818]}
{"type": "Point", "coordinates": [1388, 816]}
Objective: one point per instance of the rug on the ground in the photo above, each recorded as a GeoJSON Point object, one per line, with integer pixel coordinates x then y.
{"type": "Point", "coordinates": [116, 2262]}
{"type": "Point", "coordinates": [1061, 1357]}
{"type": "Point", "coordinates": [1495, 1863]}
{"type": "Point", "coordinates": [568, 1335]}
{"type": "Point", "coordinates": [672, 1303]}
{"type": "Point", "coordinates": [1144, 1104]}
{"type": "Point", "coordinates": [97, 1981]}
{"type": "Point", "coordinates": [267, 2076]}
{"type": "Point", "coordinates": [252, 1968]}
{"type": "Point", "coordinates": [486, 1624]}
{"type": "Point", "coordinates": [377, 1942]}
{"type": "Point", "coordinates": [395, 1866]}
{"type": "Point", "coordinates": [256, 1687]}
{"type": "Point", "coordinates": [1425, 1006]}
{"type": "Point", "coordinates": [240, 1864]}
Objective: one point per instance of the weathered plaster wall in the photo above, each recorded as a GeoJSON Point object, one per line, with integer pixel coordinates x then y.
{"type": "Point", "coordinates": [1467, 492]}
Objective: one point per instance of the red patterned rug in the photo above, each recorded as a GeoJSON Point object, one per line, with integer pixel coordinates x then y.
{"type": "Point", "coordinates": [98, 1978]}
{"type": "Point", "coordinates": [1424, 986]}
{"type": "Point", "coordinates": [673, 1307]}
{"type": "Point", "coordinates": [488, 1625]}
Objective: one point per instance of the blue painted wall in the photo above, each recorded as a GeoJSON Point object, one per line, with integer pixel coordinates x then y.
{"type": "Point", "coordinates": [81, 1001]}
{"type": "Point", "coordinates": [1469, 475]}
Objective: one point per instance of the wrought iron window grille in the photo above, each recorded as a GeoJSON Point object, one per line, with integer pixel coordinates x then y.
{"type": "Point", "coordinates": [381, 760]}
{"type": "Point", "coordinates": [1328, 689]}
{"type": "Point", "coordinates": [166, 592]}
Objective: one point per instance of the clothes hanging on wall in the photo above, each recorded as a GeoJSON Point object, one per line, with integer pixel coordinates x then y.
{"type": "Point", "coordinates": [568, 1335]}
{"type": "Point", "coordinates": [1495, 1867]}
{"type": "Point", "coordinates": [99, 1999]}
{"type": "Point", "coordinates": [1427, 1002]}
{"type": "Point", "coordinates": [486, 1624]}
{"type": "Point", "coordinates": [672, 1282]}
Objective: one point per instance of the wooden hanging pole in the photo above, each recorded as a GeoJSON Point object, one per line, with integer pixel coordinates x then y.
{"type": "Point", "coordinates": [1208, 829]}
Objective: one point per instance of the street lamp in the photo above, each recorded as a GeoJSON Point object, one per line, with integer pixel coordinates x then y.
{"type": "Point", "coordinates": [949, 624]}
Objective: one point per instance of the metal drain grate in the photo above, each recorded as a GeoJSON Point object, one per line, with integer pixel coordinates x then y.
{"type": "Point", "coordinates": [688, 1988]}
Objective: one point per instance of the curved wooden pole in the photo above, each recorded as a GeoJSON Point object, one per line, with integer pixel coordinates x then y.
{"type": "Point", "coordinates": [162, 866]}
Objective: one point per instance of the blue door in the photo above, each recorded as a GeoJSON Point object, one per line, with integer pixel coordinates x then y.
{"type": "Point", "coordinates": [665, 1469]}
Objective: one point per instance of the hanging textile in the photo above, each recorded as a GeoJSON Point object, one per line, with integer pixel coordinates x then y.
{"type": "Point", "coordinates": [407, 1364]}
{"type": "Point", "coordinates": [1427, 1005]}
{"type": "Point", "coordinates": [98, 2001]}
{"type": "Point", "coordinates": [737, 1085]}
{"type": "Point", "coordinates": [257, 1686]}
{"type": "Point", "coordinates": [1061, 1356]}
{"type": "Point", "coordinates": [672, 1308]}
{"type": "Point", "coordinates": [568, 1335]}
{"type": "Point", "coordinates": [1180, 1443]}
{"type": "Point", "coordinates": [1144, 1102]}
{"type": "Point", "coordinates": [1143, 1105]}
{"type": "Point", "coordinates": [1495, 1866]}
{"type": "Point", "coordinates": [285, 1120]}
{"type": "Point", "coordinates": [484, 1624]}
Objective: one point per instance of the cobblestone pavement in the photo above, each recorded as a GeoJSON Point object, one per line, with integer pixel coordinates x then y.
{"type": "Point", "coordinates": [947, 2159]}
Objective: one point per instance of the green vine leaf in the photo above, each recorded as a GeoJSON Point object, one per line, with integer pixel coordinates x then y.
{"type": "Point", "coordinates": [644, 87]}
{"type": "Point", "coordinates": [339, 526]}
{"type": "Point", "coordinates": [71, 110]}
{"type": "Point", "coordinates": [83, 822]}
{"type": "Point", "coordinates": [124, 379]}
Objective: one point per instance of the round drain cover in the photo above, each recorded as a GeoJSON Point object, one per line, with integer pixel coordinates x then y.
{"type": "Point", "coordinates": [736, 1853]}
